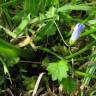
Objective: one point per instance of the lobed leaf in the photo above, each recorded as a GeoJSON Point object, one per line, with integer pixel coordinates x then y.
{"type": "Point", "coordinates": [58, 70]}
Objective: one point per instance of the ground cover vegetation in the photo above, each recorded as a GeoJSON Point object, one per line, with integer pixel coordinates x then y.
{"type": "Point", "coordinates": [47, 47]}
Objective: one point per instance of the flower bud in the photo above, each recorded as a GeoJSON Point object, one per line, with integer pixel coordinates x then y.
{"type": "Point", "coordinates": [76, 33]}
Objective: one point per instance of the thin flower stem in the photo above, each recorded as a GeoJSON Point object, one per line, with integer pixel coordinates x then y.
{"type": "Point", "coordinates": [81, 51]}
{"type": "Point", "coordinates": [60, 34]}
{"type": "Point", "coordinates": [49, 51]}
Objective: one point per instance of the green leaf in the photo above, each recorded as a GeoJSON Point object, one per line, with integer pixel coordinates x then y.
{"type": "Point", "coordinates": [48, 29]}
{"type": "Point", "coordinates": [8, 49]}
{"type": "Point", "coordinates": [18, 16]}
{"type": "Point", "coordinates": [92, 22]}
{"type": "Point", "coordinates": [55, 2]}
{"type": "Point", "coordinates": [10, 53]}
{"type": "Point", "coordinates": [29, 7]}
{"type": "Point", "coordinates": [8, 32]}
{"type": "Point", "coordinates": [7, 3]}
{"type": "Point", "coordinates": [51, 13]}
{"type": "Point", "coordinates": [69, 85]}
{"type": "Point", "coordinates": [19, 30]}
{"type": "Point", "coordinates": [58, 70]}
{"type": "Point", "coordinates": [35, 6]}
{"type": "Point", "coordinates": [75, 7]}
{"type": "Point", "coordinates": [10, 61]}
{"type": "Point", "coordinates": [29, 82]}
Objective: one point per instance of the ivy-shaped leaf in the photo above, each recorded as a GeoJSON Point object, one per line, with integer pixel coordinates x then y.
{"type": "Point", "coordinates": [58, 70]}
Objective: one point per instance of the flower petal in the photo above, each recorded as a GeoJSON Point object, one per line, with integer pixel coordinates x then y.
{"type": "Point", "coordinates": [76, 32]}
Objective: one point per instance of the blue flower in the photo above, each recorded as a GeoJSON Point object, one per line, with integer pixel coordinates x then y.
{"type": "Point", "coordinates": [76, 33]}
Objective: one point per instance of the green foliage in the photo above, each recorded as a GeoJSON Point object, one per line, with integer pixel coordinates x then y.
{"type": "Point", "coordinates": [69, 85]}
{"type": "Point", "coordinates": [6, 48]}
{"type": "Point", "coordinates": [19, 30]}
{"type": "Point", "coordinates": [10, 53]}
{"type": "Point", "coordinates": [90, 70]}
{"type": "Point", "coordinates": [92, 22]}
{"type": "Point", "coordinates": [29, 82]}
{"type": "Point", "coordinates": [75, 7]}
{"type": "Point", "coordinates": [48, 30]}
{"type": "Point", "coordinates": [48, 24]}
{"type": "Point", "coordinates": [1, 80]}
{"type": "Point", "coordinates": [58, 70]}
